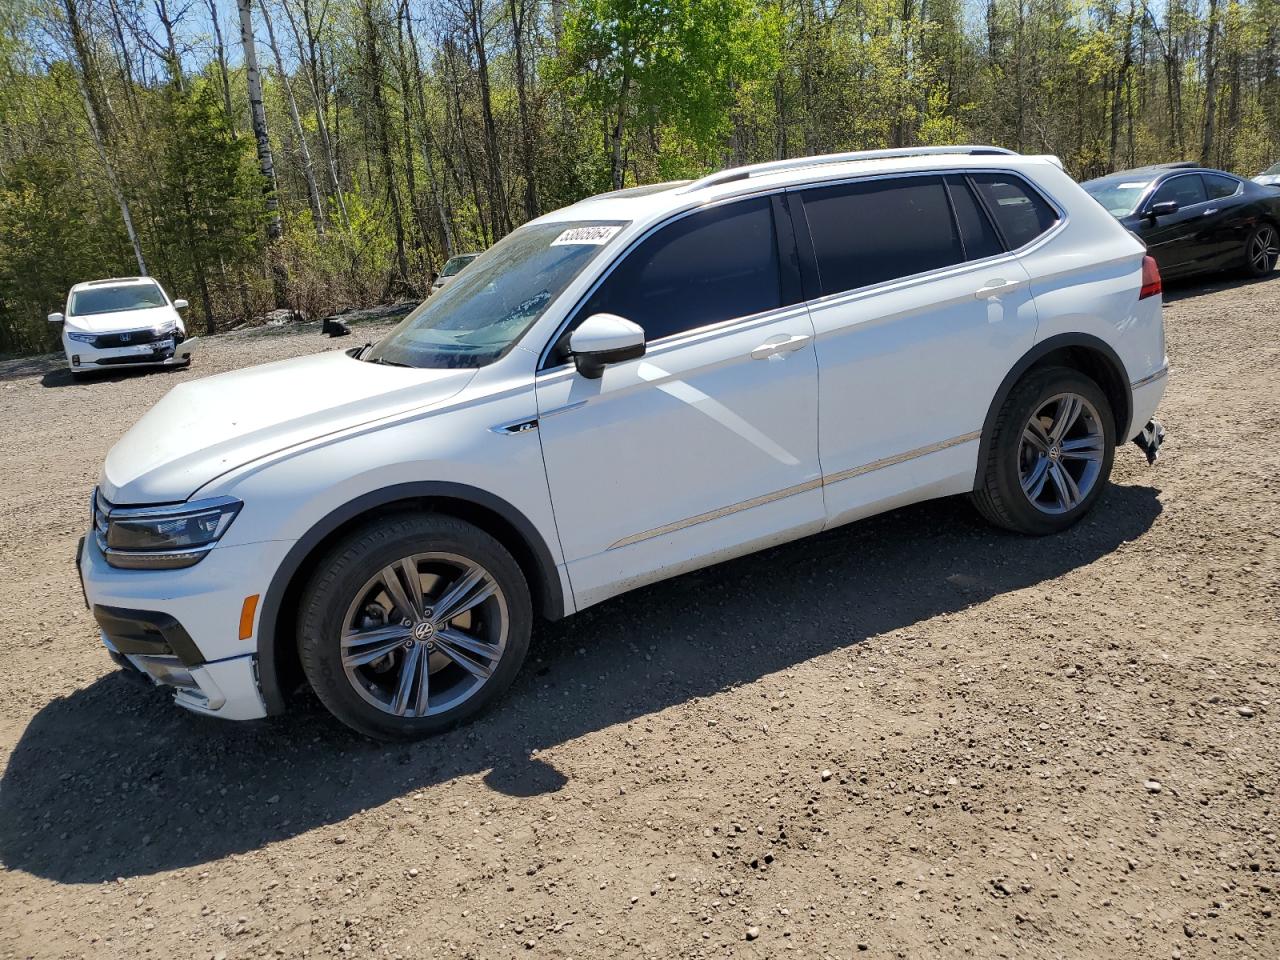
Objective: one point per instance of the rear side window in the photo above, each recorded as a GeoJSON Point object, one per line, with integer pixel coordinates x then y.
{"type": "Point", "coordinates": [1218, 187]}
{"type": "Point", "coordinates": [711, 266]}
{"type": "Point", "coordinates": [1019, 211]}
{"type": "Point", "coordinates": [976, 233]}
{"type": "Point", "coordinates": [878, 230]}
{"type": "Point", "coordinates": [1184, 190]}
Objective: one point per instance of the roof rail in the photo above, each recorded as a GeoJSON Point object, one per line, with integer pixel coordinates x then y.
{"type": "Point", "coordinates": [774, 166]}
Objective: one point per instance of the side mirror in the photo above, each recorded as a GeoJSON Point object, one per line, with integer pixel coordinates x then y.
{"type": "Point", "coordinates": [180, 304]}
{"type": "Point", "coordinates": [1162, 209]}
{"type": "Point", "coordinates": [602, 339]}
{"type": "Point", "coordinates": [56, 318]}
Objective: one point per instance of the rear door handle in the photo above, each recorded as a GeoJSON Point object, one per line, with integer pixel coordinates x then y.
{"type": "Point", "coordinates": [1213, 210]}
{"type": "Point", "coordinates": [994, 288]}
{"type": "Point", "coordinates": [782, 343]}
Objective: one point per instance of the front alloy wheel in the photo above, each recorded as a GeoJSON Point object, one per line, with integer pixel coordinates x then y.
{"type": "Point", "coordinates": [424, 634]}
{"type": "Point", "coordinates": [412, 624]}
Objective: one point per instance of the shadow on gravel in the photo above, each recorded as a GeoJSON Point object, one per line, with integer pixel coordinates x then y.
{"type": "Point", "coordinates": [1192, 287]}
{"type": "Point", "coordinates": [115, 781]}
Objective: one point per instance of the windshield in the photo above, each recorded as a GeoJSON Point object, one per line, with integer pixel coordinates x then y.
{"type": "Point", "coordinates": [1272, 171]}
{"type": "Point", "coordinates": [127, 296]}
{"type": "Point", "coordinates": [456, 264]}
{"type": "Point", "coordinates": [1118, 195]}
{"type": "Point", "coordinates": [473, 320]}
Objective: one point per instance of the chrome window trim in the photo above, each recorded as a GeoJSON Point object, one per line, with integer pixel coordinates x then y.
{"type": "Point", "coordinates": [776, 189]}
{"type": "Point", "coordinates": [1145, 205]}
{"type": "Point", "coordinates": [545, 353]}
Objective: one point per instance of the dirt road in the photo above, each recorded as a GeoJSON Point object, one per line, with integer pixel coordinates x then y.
{"type": "Point", "coordinates": [913, 737]}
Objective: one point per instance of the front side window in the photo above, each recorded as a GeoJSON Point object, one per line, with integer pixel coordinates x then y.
{"type": "Point", "coordinates": [715, 265]}
{"type": "Point", "coordinates": [1218, 187]}
{"type": "Point", "coordinates": [126, 296]}
{"type": "Point", "coordinates": [475, 318]}
{"type": "Point", "coordinates": [877, 230]}
{"type": "Point", "coordinates": [1185, 191]}
{"type": "Point", "coordinates": [1019, 211]}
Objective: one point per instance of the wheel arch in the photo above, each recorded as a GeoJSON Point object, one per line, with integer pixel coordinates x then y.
{"type": "Point", "coordinates": [279, 669]}
{"type": "Point", "coordinates": [1080, 351]}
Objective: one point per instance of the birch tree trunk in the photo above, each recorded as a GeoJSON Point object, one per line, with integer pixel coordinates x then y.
{"type": "Point", "coordinates": [304, 153]}
{"type": "Point", "coordinates": [258, 115]}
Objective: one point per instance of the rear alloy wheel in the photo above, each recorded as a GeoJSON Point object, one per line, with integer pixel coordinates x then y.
{"type": "Point", "coordinates": [1061, 453]}
{"type": "Point", "coordinates": [413, 624]}
{"type": "Point", "coordinates": [1049, 455]}
{"type": "Point", "coordinates": [1261, 250]}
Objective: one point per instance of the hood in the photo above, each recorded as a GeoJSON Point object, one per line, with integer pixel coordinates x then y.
{"type": "Point", "coordinates": [122, 320]}
{"type": "Point", "coordinates": [202, 429]}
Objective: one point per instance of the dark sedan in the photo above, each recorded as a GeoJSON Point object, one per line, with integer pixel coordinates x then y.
{"type": "Point", "coordinates": [1195, 220]}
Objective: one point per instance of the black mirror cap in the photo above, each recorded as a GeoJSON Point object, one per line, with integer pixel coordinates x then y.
{"type": "Point", "coordinates": [334, 328]}
{"type": "Point", "coordinates": [591, 365]}
{"type": "Point", "coordinates": [1163, 209]}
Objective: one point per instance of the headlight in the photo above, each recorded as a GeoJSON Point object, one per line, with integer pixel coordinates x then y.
{"type": "Point", "coordinates": [82, 337]}
{"type": "Point", "coordinates": [168, 327]}
{"type": "Point", "coordinates": [162, 537]}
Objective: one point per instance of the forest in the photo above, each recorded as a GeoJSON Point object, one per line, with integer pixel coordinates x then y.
{"type": "Point", "coordinates": [322, 154]}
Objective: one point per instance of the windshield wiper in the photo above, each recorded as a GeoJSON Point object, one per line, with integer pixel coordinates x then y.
{"type": "Point", "coordinates": [389, 363]}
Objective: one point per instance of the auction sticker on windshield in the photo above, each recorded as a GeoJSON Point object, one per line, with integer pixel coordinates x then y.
{"type": "Point", "coordinates": [591, 236]}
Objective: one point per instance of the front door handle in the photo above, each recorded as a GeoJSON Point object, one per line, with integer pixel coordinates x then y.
{"type": "Point", "coordinates": [994, 288]}
{"type": "Point", "coordinates": [1212, 210]}
{"type": "Point", "coordinates": [782, 343]}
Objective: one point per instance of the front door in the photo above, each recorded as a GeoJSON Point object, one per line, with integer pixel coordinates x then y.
{"type": "Point", "coordinates": [1179, 241]}
{"type": "Point", "coordinates": [707, 446]}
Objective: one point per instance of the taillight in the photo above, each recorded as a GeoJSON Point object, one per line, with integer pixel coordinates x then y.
{"type": "Point", "coordinates": [1150, 278]}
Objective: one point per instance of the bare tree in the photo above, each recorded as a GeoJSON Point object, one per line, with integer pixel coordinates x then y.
{"type": "Point", "coordinates": [258, 116]}
{"type": "Point", "coordinates": [304, 154]}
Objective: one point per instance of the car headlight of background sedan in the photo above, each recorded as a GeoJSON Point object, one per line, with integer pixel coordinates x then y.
{"type": "Point", "coordinates": [162, 537]}
{"type": "Point", "coordinates": [82, 337]}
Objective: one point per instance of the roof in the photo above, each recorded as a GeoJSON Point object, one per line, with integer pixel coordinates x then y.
{"type": "Point", "coordinates": [114, 281]}
{"type": "Point", "coordinates": [648, 202]}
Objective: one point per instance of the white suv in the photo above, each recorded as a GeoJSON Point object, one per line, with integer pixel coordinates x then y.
{"type": "Point", "coordinates": [124, 321]}
{"type": "Point", "coordinates": [638, 385]}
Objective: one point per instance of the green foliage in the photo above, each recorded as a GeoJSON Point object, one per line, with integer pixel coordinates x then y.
{"type": "Point", "coordinates": [675, 63]}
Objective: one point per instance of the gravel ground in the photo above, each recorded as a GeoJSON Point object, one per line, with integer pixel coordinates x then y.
{"type": "Point", "coordinates": [912, 737]}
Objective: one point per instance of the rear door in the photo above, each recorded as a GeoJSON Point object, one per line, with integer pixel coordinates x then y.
{"type": "Point", "coordinates": [919, 312]}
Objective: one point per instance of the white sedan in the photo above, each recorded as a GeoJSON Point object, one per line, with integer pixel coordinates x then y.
{"type": "Point", "coordinates": [124, 321]}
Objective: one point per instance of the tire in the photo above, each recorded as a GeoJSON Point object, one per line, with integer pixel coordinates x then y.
{"type": "Point", "coordinates": [358, 649]}
{"type": "Point", "coordinates": [1261, 250]}
{"type": "Point", "coordinates": [1021, 484]}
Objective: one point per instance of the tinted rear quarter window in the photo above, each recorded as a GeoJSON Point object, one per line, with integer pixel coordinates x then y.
{"type": "Point", "coordinates": [711, 266]}
{"type": "Point", "coordinates": [976, 233]}
{"type": "Point", "coordinates": [1019, 211]}
{"type": "Point", "coordinates": [878, 230]}
{"type": "Point", "coordinates": [1218, 187]}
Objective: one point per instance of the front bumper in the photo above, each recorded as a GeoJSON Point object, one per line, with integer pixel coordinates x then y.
{"type": "Point", "coordinates": [181, 628]}
{"type": "Point", "coordinates": [169, 351]}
